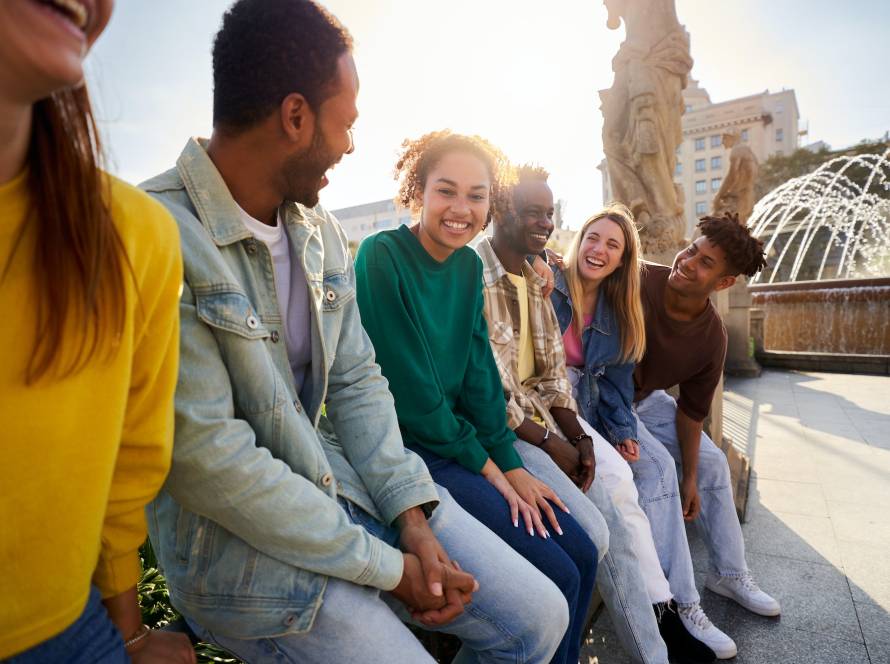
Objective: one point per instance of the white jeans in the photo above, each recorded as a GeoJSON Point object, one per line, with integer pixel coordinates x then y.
{"type": "Point", "coordinates": [616, 476]}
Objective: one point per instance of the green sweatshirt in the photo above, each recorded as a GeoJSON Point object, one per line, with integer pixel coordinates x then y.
{"type": "Point", "coordinates": [426, 323]}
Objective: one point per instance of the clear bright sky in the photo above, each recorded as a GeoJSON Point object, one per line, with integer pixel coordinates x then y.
{"type": "Point", "coordinates": [522, 73]}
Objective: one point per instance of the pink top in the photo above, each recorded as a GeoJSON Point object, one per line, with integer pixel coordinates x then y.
{"type": "Point", "coordinates": [572, 343]}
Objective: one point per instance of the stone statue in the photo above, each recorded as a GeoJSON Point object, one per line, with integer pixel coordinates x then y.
{"type": "Point", "coordinates": [642, 119]}
{"type": "Point", "coordinates": [736, 194]}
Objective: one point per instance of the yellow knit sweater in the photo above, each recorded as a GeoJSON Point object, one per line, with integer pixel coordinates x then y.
{"type": "Point", "coordinates": [81, 456]}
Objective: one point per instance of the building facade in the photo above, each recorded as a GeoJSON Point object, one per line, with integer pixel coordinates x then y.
{"type": "Point", "coordinates": [766, 122]}
{"type": "Point", "coordinates": [360, 221]}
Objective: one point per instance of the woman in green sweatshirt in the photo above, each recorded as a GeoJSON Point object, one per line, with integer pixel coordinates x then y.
{"type": "Point", "coordinates": [420, 296]}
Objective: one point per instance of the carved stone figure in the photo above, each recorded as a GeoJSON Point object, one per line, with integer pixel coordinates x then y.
{"type": "Point", "coordinates": [642, 119]}
{"type": "Point", "coordinates": [736, 194]}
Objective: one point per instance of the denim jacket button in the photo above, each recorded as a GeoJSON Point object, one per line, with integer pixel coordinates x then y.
{"type": "Point", "coordinates": [290, 619]}
{"type": "Point", "coordinates": [252, 322]}
{"type": "Point", "coordinates": [326, 479]}
{"type": "Point", "coordinates": [330, 296]}
{"type": "Point", "coordinates": [297, 405]}
{"type": "Point", "coordinates": [251, 246]}
{"type": "Point", "coordinates": [274, 336]}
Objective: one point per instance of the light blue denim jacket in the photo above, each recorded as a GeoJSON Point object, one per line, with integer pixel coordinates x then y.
{"type": "Point", "coordinates": [605, 388]}
{"type": "Point", "coordinates": [247, 527]}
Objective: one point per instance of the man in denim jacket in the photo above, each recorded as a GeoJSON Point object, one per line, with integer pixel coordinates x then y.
{"type": "Point", "coordinates": [292, 502]}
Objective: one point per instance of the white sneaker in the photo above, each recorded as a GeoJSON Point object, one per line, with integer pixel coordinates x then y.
{"type": "Point", "coordinates": [698, 625]}
{"type": "Point", "coordinates": [745, 591]}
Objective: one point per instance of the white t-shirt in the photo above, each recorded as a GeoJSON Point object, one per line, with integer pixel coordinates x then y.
{"type": "Point", "coordinates": [292, 292]}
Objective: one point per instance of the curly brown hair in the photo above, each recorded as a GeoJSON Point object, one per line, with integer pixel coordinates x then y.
{"type": "Point", "coordinates": [420, 155]}
{"type": "Point", "coordinates": [744, 252]}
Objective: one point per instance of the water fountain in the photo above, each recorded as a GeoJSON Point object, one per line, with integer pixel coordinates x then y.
{"type": "Point", "coordinates": [826, 291]}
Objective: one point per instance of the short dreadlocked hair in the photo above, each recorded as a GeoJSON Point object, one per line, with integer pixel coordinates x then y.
{"type": "Point", "coordinates": [268, 49]}
{"type": "Point", "coordinates": [744, 253]}
{"type": "Point", "coordinates": [420, 155]}
{"type": "Point", "coordinates": [505, 208]}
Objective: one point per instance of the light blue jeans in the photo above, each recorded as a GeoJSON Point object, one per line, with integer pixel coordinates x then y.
{"type": "Point", "coordinates": [655, 475]}
{"type": "Point", "coordinates": [619, 579]}
{"type": "Point", "coordinates": [517, 615]}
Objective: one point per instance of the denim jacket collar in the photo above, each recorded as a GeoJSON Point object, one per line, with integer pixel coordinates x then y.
{"type": "Point", "coordinates": [602, 322]}
{"type": "Point", "coordinates": [213, 201]}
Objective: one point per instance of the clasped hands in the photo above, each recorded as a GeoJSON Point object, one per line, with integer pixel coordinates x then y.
{"type": "Point", "coordinates": [433, 587]}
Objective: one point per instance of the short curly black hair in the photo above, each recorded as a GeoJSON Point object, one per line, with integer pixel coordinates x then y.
{"type": "Point", "coordinates": [744, 253]}
{"type": "Point", "coordinates": [504, 207]}
{"type": "Point", "coordinates": [268, 49]}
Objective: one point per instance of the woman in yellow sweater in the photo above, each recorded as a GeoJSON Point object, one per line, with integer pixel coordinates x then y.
{"type": "Point", "coordinates": [90, 271]}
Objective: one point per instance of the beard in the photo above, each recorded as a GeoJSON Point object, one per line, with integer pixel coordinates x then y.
{"type": "Point", "coordinates": [303, 172]}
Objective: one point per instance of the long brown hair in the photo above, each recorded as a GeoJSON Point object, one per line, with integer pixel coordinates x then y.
{"type": "Point", "coordinates": [79, 258]}
{"type": "Point", "coordinates": [621, 288]}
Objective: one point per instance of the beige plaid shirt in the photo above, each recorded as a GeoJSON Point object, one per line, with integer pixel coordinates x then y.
{"type": "Point", "coordinates": [549, 386]}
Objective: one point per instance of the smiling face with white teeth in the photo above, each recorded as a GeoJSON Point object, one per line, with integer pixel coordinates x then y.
{"type": "Point", "coordinates": [700, 269]}
{"type": "Point", "coordinates": [601, 251]}
{"type": "Point", "coordinates": [528, 230]}
{"type": "Point", "coordinates": [455, 201]}
{"type": "Point", "coordinates": [43, 44]}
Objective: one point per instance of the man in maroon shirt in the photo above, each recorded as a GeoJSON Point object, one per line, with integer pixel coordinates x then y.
{"type": "Point", "coordinates": [686, 346]}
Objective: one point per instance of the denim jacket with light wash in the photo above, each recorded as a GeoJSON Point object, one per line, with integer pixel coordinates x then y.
{"type": "Point", "coordinates": [248, 527]}
{"type": "Point", "coordinates": [605, 389]}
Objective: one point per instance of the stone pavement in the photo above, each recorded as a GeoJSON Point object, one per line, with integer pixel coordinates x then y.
{"type": "Point", "coordinates": [818, 522]}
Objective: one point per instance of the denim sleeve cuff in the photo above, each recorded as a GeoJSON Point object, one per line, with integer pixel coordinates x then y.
{"type": "Point", "coordinates": [415, 491]}
{"type": "Point", "coordinates": [384, 570]}
{"type": "Point", "coordinates": [505, 457]}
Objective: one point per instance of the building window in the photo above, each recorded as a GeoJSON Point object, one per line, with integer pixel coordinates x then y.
{"type": "Point", "coordinates": [678, 170]}
{"type": "Point", "coordinates": [780, 108]}
{"type": "Point", "coordinates": [382, 223]}
{"type": "Point", "coordinates": [701, 208]}
{"type": "Point", "coordinates": [699, 144]}
{"type": "Point", "coordinates": [715, 184]}
{"type": "Point", "coordinates": [780, 134]}
{"type": "Point", "coordinates": [716, 141]}
{"type": "Point", "coordinates": [745, 135]}
{"type": "Point", "coordinates": [688, 107]}
{"type": "Point", "coordinates": [699, 165]}
{"type": "Point", "coordinates": [716, 162]}
{"type": "Point", "coordinates": [701, 186]}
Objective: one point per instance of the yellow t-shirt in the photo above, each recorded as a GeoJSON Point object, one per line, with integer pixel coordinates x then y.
{"type": "Point", "coordinates": [526, 349]}
{"type": "Point", "coordinates": [82, 455]}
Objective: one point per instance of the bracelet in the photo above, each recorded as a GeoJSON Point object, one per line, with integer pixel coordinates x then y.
{"type": "Point", "coordinates": [577, 439]}
{"type": "Point", "coordinates": [544, 439]}
{"type": "Point", "coordinates": [140, 634]}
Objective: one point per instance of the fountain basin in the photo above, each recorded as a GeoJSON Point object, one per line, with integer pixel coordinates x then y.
{"type": "Point", "coordinates": [836, 317]}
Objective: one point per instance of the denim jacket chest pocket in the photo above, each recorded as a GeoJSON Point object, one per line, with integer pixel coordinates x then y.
{"type": "Point", "coordinates": [241, 336]}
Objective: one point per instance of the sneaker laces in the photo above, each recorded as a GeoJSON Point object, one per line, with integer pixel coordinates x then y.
{"type": "Point", "coordinates": [696, 616]}
{"type": "Point", "coordinates": [748, 583]}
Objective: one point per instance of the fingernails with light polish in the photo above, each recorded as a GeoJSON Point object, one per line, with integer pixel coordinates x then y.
{"type": "Point", "coordinates": [559, 530]}
{"type": "Point", "coordinates": [516, 523]}
{"type": "Point", "coordinates": [437, 589]}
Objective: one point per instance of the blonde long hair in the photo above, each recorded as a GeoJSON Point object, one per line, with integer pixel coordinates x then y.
{"type": "Point", "coordinates": [621, 288]}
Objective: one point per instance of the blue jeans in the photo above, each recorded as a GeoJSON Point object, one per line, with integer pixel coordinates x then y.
{"type": "Point", "coordinates": [655, 475]}
{"type": "Point", "coordinates": [569, 560]}
{"type": "Point", "coordinates": [91, 639]}
{"type": "Point", "coordinates": [517, 615]}
{"type": "Point", "coordinates": [619, 579]}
